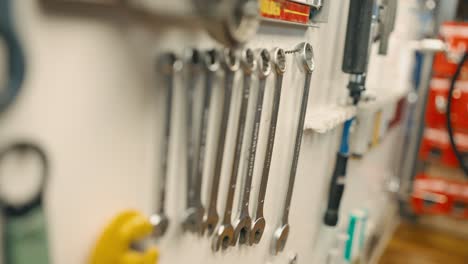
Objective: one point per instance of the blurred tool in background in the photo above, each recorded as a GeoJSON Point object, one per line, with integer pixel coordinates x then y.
{"type": "Point", "coordinates": [15, 56]}
{"type": "Point", "coordinates": [24, 231]}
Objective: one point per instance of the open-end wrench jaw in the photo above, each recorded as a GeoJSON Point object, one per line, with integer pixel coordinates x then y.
{"type": "Point", "coordinates": [210, 220]}
{"type": "Point", "coordinates": [160, 223]}
{"type": "Point", "coordinates": [242, 231]}
{"type": "Point", "coordinates": [193, 220]}
{"type": "Point", "coordinates": [256, 232]}
{"type": "Point", "coordinates": [223, 237]}
{"type": "Point", "coordinates": [280, 237]}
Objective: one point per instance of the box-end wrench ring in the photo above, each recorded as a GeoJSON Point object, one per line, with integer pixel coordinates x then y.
{"type": "Point", "coordinates": [306, 56]}
{"type": "Point", "coordinates": [243, 223]}
{"type": "Point", "coordinates": [259, 223]}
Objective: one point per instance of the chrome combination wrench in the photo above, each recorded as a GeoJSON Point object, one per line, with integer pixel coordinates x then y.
{"type": "Point", "coordinates": [224, 233]}
{"type": "Point", "coordinates": [169, 64]}
{"type": "Point", "coordinates": [258, 225]}
{"type": "Point", "coordinates": [210, 64]}
{"type": "Point", "coordinates": [230, 62]}
{"type": "Point", "coordinates": [243, 222]}
{"type": "Point", "coordinates": [305, 54]}
{"type": "Point", "coordinates": [194, 211]}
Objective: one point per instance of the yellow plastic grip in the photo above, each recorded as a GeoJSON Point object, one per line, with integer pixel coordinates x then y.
{"type": "Point", "coordinates": [113, 246]}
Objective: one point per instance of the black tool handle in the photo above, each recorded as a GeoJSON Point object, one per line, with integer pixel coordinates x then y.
{"type": "Point", "coordinates": [358, 32]}
{"type": "Point", "coordinates": [337, 185]}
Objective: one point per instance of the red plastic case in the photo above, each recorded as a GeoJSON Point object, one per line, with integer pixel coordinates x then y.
{"type": "Point", "coordinates": [435, 145]}
{"type": "Point", "coordinates": [455, 35]}
{"type": "Point", "coordinates": [437, 103]}
{"type": "Point", "coordinates": [439, 196]}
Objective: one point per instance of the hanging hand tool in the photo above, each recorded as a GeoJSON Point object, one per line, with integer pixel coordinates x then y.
{"type": "Point", "coordinates": [15, 55]}
{"type": "Point", "coordinates": [195, 211]}
{"type": "Point", "coordinates": [118, 243]}
{"type": "Point", "coordinates": [230, 62]}
{"type": "Point", "coordinates": [355, 60]}
{"type": "Point", "coordinates": [25, 233]}
{"type": "Point", "coordinates": [243, 224]}
{"type": "Point", "coordinates": [386, 24]}
{"type": "Point", "coordinates": [258, 225]}
{"type": "Point", "coordinates": [211, 66]}
{"type": "Point", "coordinates": [169, 64]}
{"type": "Point", "coordinates": [224, 234]}
{"type": "Point", "coordinates": [305, 54]}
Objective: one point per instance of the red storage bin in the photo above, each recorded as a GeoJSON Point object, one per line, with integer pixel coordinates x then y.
{"type": "Point", "coordinates": [429, 196]}
{"type": "Point", "coordinates": [436, 145]}
{"type": "Point", "coordinates": [455, 35]}
{"type": "Point", "coordinates": [439, 196]}
{"type": "Point", "coordinates": [437, 103]}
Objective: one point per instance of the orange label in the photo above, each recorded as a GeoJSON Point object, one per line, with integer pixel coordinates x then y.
{"type": "Point", "coordinates": [285, 10]}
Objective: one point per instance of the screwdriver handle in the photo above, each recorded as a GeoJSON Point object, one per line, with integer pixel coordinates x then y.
{"type": "Point", "coordinates": [357, 40]}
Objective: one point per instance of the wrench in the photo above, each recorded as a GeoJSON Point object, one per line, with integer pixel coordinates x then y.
{"type": "Point", "coordinates": [225, 232]}
{"type": "Point", "coordinates": [306, 56]}
{"type": "Point", "coordinates": [194, 217]}
{"type": "Point", "coordinates": [243, 223]}
{"type": "Point", "coordinates": [169, 64]}
{"type": "Point", "coordinates": [195, 210]}
{"type": "Point", "coordinates": [258, 226]}
{"type": "Point", "coordinates": [230, 62]}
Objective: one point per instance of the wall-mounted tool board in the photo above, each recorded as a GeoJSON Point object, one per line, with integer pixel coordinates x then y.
{"type": "Point", "coordinates": [93, 99]}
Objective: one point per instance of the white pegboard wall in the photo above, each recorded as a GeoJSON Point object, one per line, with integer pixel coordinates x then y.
{"type": "Point", "coordinates": [93, 100]}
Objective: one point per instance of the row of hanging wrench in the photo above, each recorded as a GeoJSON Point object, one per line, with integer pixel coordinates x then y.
{"type": "Point", "coordinates": [246, 228]}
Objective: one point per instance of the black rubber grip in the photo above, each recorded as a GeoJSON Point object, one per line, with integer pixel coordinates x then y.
{"type": "Point", "coordinates": [356, 49]}
{"type": "Point", "coordinates": [337, 185]}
